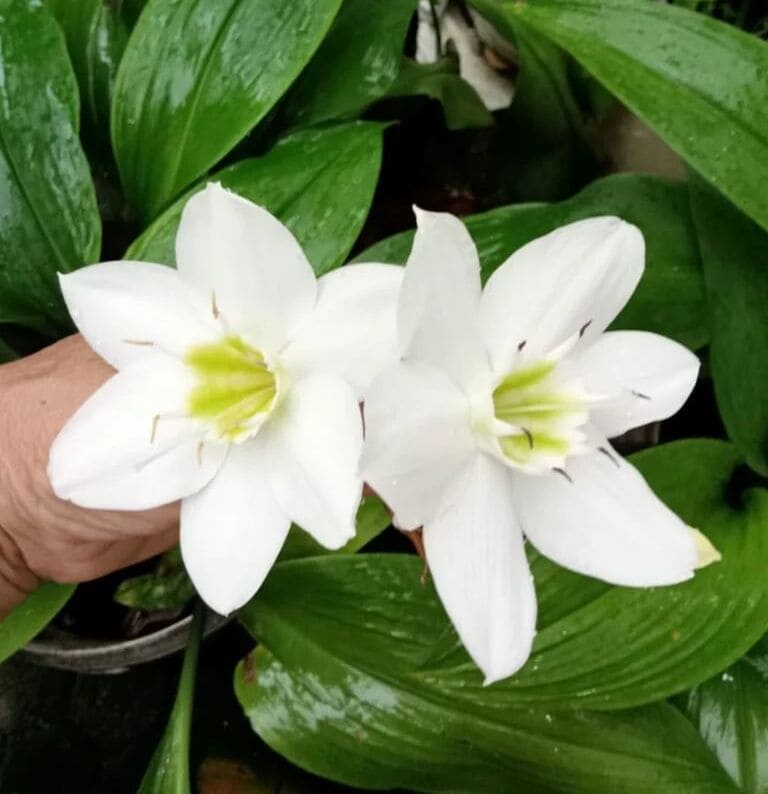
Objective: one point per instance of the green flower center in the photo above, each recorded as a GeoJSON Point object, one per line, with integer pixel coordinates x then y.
{"type": "Point", "coordinates": [542, 415]}
{"type": "Point", "coordinates": [235, 388]}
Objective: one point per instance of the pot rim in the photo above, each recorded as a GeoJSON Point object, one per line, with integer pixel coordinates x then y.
{"type": "Point", "coordinates": [64, 650]}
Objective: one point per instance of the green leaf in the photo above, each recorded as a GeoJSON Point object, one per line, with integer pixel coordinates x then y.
{"type": "Point", "coordinates": [96, 35]}
{"type": "Point", "coordinates": [462, 107]}
{"type": "Point", "coordinates": [337, 688]}
{"type": "Point", "coordinates": [32, 616]}
{"type": "Point", "coordinates": [49, 220]}
{"type": "Point", "coordinates": [701, 84]}
{"type": "Point", "coordinates": [731, 712]}
{"type": "Point", "coordinates": [670, 299]}
{"type": "Point", "coordinates": [168, 771]}
{"type": "Point", "coordinates": [196, 77]}
{"type": "Point", "coordinates": [356, 64]}
{"type": "Point", "coordinates": [734, 251]}
{"type": "Point", "coordinates": [299, 182]}
{"type": "Point", "coordinates": [597, 646]}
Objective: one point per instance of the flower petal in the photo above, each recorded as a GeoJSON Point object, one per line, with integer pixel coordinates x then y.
{"type": "Point", "coordinates": [644, 378]}
{"type": "Point", "coordinates": [129, 446]}
{"type": "Point", "coordinates": [601, 519]}
{"type": "Point", "coordinates": [575, 279]}
{"type": "Point", "coordinates": [314, 445]}
{"type": "Point", "coordinates": [232, 530]}
{"type": "Point", "coordinates": [439, 300]}
{"type": "Point", "coordinates": [418, 438]}
{"type": "Point", "coordinates": [353, 330]}
{"type": "Point", "coordinates": [248, 264]}
{"type": "Point", "coordinates": [476, 555]}
{"type": "Point", "coordinates": [127, 310]}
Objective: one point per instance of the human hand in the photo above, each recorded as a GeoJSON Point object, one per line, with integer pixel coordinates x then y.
{"type": "Point", "coordinates": [41, 536]}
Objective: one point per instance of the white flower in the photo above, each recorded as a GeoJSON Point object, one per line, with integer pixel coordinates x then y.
{"type": "Point", "coordinates": [442, 27]}
{"type": "Point", "coordinates": [239, 376]}
{"type": "Point", "coordinates": [495, 425]}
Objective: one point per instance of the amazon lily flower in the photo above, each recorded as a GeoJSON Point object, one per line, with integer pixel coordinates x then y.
{"type": "Point", "coordinates": [495, 425]}
{"type": "Point", "coordinates": [239, 376]}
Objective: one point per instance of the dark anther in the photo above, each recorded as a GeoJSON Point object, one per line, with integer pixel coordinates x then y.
{"type": "Point", "coordinates": [529, 436]}
{"type": "Point", "coordinates": [640, 395]}
{"type": "Point", "coordinates": [584, 327]}
{"type": "Point", "coordinates": [564, 473]}
{"type": "Point", "coordinates": [610, 457]}
{"type": "Point", "coordinates": [522, 345]}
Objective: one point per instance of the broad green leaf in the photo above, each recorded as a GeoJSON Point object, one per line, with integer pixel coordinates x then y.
{"type": "Point", "coordinates": [49, 221]}
{"type": "Point", "coordinates": [597, 646]}
{"type": "Point", "coordinates": [320, 183]}
{"type": "Point", "coordinates": [168, 771]}
{"type": "Point", "coordinates": [731, 711]}
{"type": "Point", "coordinates": [701, 84]}
{"type": "Point", "coordinates": [462, 107]}
{"type": "Point", "coordinates": [196, 77]}
{"type": "Point", "coordinates": [734, 251]}
{"type": "Point", "coordinates": [670, 299]}
{"type": "Point", "coordinates": [336, 687]}
{"type": "Point", "coordinates": [96, 35]}
{"type": "Point", "coordinates": [356, 64]}
{"type": "Point", "coordinates": [32, 616]}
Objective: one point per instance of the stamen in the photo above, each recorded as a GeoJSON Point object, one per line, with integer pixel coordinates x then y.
{"type": "Point", "coordinates": [214, 305]}
{"type": "Point", "coordinates": [640, 395]}
{"type": "Point", "coordinates": [155, 420]}
{"type": "Point", "coordinates": [584, 327]}
{"type": "Point", "coordinates": [610, 457]}
{"type": "Point", "coordinates": [564, 473]}
{"type": "Point", "coordinates": [522, 345]}
{"type": "Point", "coordinates": [139, 342]}
{"type": "Point", "coordinates": [529, 436]}
{"type": "Point", "coordinates": [200, 453]}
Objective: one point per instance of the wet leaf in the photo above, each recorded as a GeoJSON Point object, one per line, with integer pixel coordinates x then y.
{"type": "Point", "coordinates": [196, 77]}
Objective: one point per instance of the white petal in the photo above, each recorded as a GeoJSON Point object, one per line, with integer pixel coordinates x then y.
{"type": "Point", "coordinates": [129, 447]}
{"type": "Point", "coordinates": [644, 378]}
{"type": "Point", "coordinates": [126, 310]}
{"type": "Point", "coordinates": [418, 437]}
{"type": "Point", "coordinates": [439, 300]}
{"type": "Point", "coordinates": [231, 248]}
{"type": "Point", "coordinates": [314, 446]}
{"type": "Point", "coordinates": [495, 89]}
{"type": "Point", "coordinates": [353, 330]}
{"type": "Point", "coordinates": [477, 559]}
{"type": "Point", "coordinates": [574, 279]}
{"type": "Point", "coordinates": [603, 520]}
{"type": "Point", "coordinates": [232, 530]}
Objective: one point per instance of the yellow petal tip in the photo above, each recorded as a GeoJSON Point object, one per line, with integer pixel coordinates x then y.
{"type": "Point", "coordinates": [707, 553]}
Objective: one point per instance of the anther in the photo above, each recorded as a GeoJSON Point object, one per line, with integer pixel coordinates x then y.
{"type": "Point", "coordinates": [155, 420]}
{"type": "Point", "coordinates": [529, 436]}
{"type": "Point", "coordinates": [214, 305]}
{"type": "Point", "coordinates": [139, 342]}
{"type": "Point", "coordinates": [564, 473]}
{"type": "Point", "coordinates": [640, 395]}
{"type": "Point", "coordinates": [200, 453]}
{"type": "Point", "coordinates": [610, 457]}
{"type": "Point", "coordinates": [522, 345]}
{"type": "Point", "coordinates": [584, 327]}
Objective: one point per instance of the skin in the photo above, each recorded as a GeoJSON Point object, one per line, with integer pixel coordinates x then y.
{"type": "Point", "coordinates": [41, 536]}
